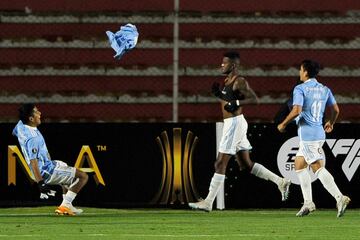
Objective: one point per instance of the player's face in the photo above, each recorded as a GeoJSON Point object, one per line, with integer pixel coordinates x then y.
{"type": "Point", "coordinates": [35, 119]}
{"type": "Point", "coordinates": [227, 65]}
{"type": "Point", "coordinates": [303, 74]}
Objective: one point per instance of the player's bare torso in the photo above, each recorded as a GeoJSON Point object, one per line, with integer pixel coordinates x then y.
{"type": "Point", "coordinates": [233, 80]}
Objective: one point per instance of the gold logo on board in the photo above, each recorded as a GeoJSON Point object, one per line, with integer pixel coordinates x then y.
{"type": "Point", "coordinates": [15, 155]}
{"type": "Point", "coordinates": [177, 182]}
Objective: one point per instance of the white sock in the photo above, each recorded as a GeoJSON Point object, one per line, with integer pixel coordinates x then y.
{"type": "Point", "coordinates": [68, 198]}
{"type": "Point", "coordinates": [215, 183]}
{"type": "Point", "coordinates": [328, 182]}
{"type": "Point", "coordinates": [262, 172]}
{"type": "Point", "coordinates": [305, 184]}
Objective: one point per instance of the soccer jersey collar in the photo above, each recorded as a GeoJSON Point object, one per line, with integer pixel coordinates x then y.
{"type": "Point", "coordinates": [310, 79]}
{"type": "Point", "coordinates": [33, 128]}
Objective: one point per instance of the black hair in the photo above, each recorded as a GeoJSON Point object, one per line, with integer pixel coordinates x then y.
{"type": "Point", "coordinates": [25, 111]}
{"type": "Point", "coordinates": [312, 67]}
{"type": "Point", "coordinates": [232, 55]}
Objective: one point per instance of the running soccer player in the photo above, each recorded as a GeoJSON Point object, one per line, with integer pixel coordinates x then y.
{"type": "Point", "coordinates": [309, 102]}
{"type": "Point", "coordinates": [234, 142]}
{"type": "Point", "coordinates": [46, 171]}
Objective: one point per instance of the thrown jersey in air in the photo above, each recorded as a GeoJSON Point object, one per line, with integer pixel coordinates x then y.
{"type": "Point", "coordinates": [313, 97]}
{"type": "Point", "coordinates": [230, 94]}
{"type": "Point", "coordinates": [33, 146]}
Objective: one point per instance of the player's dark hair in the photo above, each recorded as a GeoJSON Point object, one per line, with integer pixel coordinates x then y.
{"type": "Point", "coordinates": [232, 55]}
{"type": "Point", "coordinates": [312, 67]}
{"type": "Point", "coordinates": [25, 111]}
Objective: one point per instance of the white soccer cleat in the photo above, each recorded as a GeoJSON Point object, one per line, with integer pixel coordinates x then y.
{"type": "Point", "coordinates": [202, 205]}
{"type": "Point", "coordinates": [342, 204]}
{"type": "Point", "coordinates": [75, 210]}
{"type": "Point", "coordinates": [306, 209]}
{"type": "Point", "coordinates": [284, 189]}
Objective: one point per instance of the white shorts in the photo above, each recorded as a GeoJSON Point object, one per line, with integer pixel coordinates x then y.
{"type": "Point", "coordinates": [234, 137]}
{"type": "Point", "coordinates": [311, 150]}
{"type": "Point", "coordinates": [62, 175]}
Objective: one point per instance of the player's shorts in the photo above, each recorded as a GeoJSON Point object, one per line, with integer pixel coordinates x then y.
{"type": "Point", "coordinates": [62, 175]}
{"type": "Point", "coordinates": [311, 150]}
{"type": "Point", "coordinates": [234, 137]}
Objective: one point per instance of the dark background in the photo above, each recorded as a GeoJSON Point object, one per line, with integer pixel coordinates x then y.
{"type": "Point", "coordinates": [132, 165]}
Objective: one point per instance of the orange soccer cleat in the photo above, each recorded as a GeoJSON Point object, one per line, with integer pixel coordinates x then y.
{"type": "Point", "coordinates": [62, 210]}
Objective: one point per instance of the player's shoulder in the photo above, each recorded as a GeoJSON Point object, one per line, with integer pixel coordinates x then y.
{"type": "Point", "coordinates": [240, 81]}
{"type": "Point", "coordinates": [32, 139]}
{"type": "Point", "coordinates": [239, 78]}
{"type": "Point", "coordinates": [32, 135]}
{"type": "Point", "coordinates": [326, 88]}
{"type": "Point", "coordinates": [299, 87]}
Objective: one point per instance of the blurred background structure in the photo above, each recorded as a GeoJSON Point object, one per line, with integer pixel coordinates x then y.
{"type": "Point", "coordinates": [56, 54]}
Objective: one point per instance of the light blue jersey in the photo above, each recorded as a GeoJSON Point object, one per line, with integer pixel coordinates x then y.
{"type": "Point", "coordinates": [33, 146]}
{"type": "Point", "coordinates": [313, 97]}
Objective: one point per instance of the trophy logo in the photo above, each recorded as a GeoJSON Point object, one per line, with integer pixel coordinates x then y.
{"type": "Point", "coordinates": [177, 182]}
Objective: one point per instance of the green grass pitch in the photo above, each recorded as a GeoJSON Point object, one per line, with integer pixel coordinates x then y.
{"type": "Point", "coordinates": [41, 223]}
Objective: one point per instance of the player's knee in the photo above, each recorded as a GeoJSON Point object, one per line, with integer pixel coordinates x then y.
{"type": "Point", "coordinates": [245, 165]}
{"type": "Point", "coordinates": [83, 177]}
{"type": "Point", "coordinates": [250, 165]}
{"type": "Point", "coordinates": [86, 177]}
{"type": "Point", "coordinates": [220, 166]}
{"type": "Point", "coordinates": [316, 166]}
{"type": "Point", "coordinates": [244, 168]}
